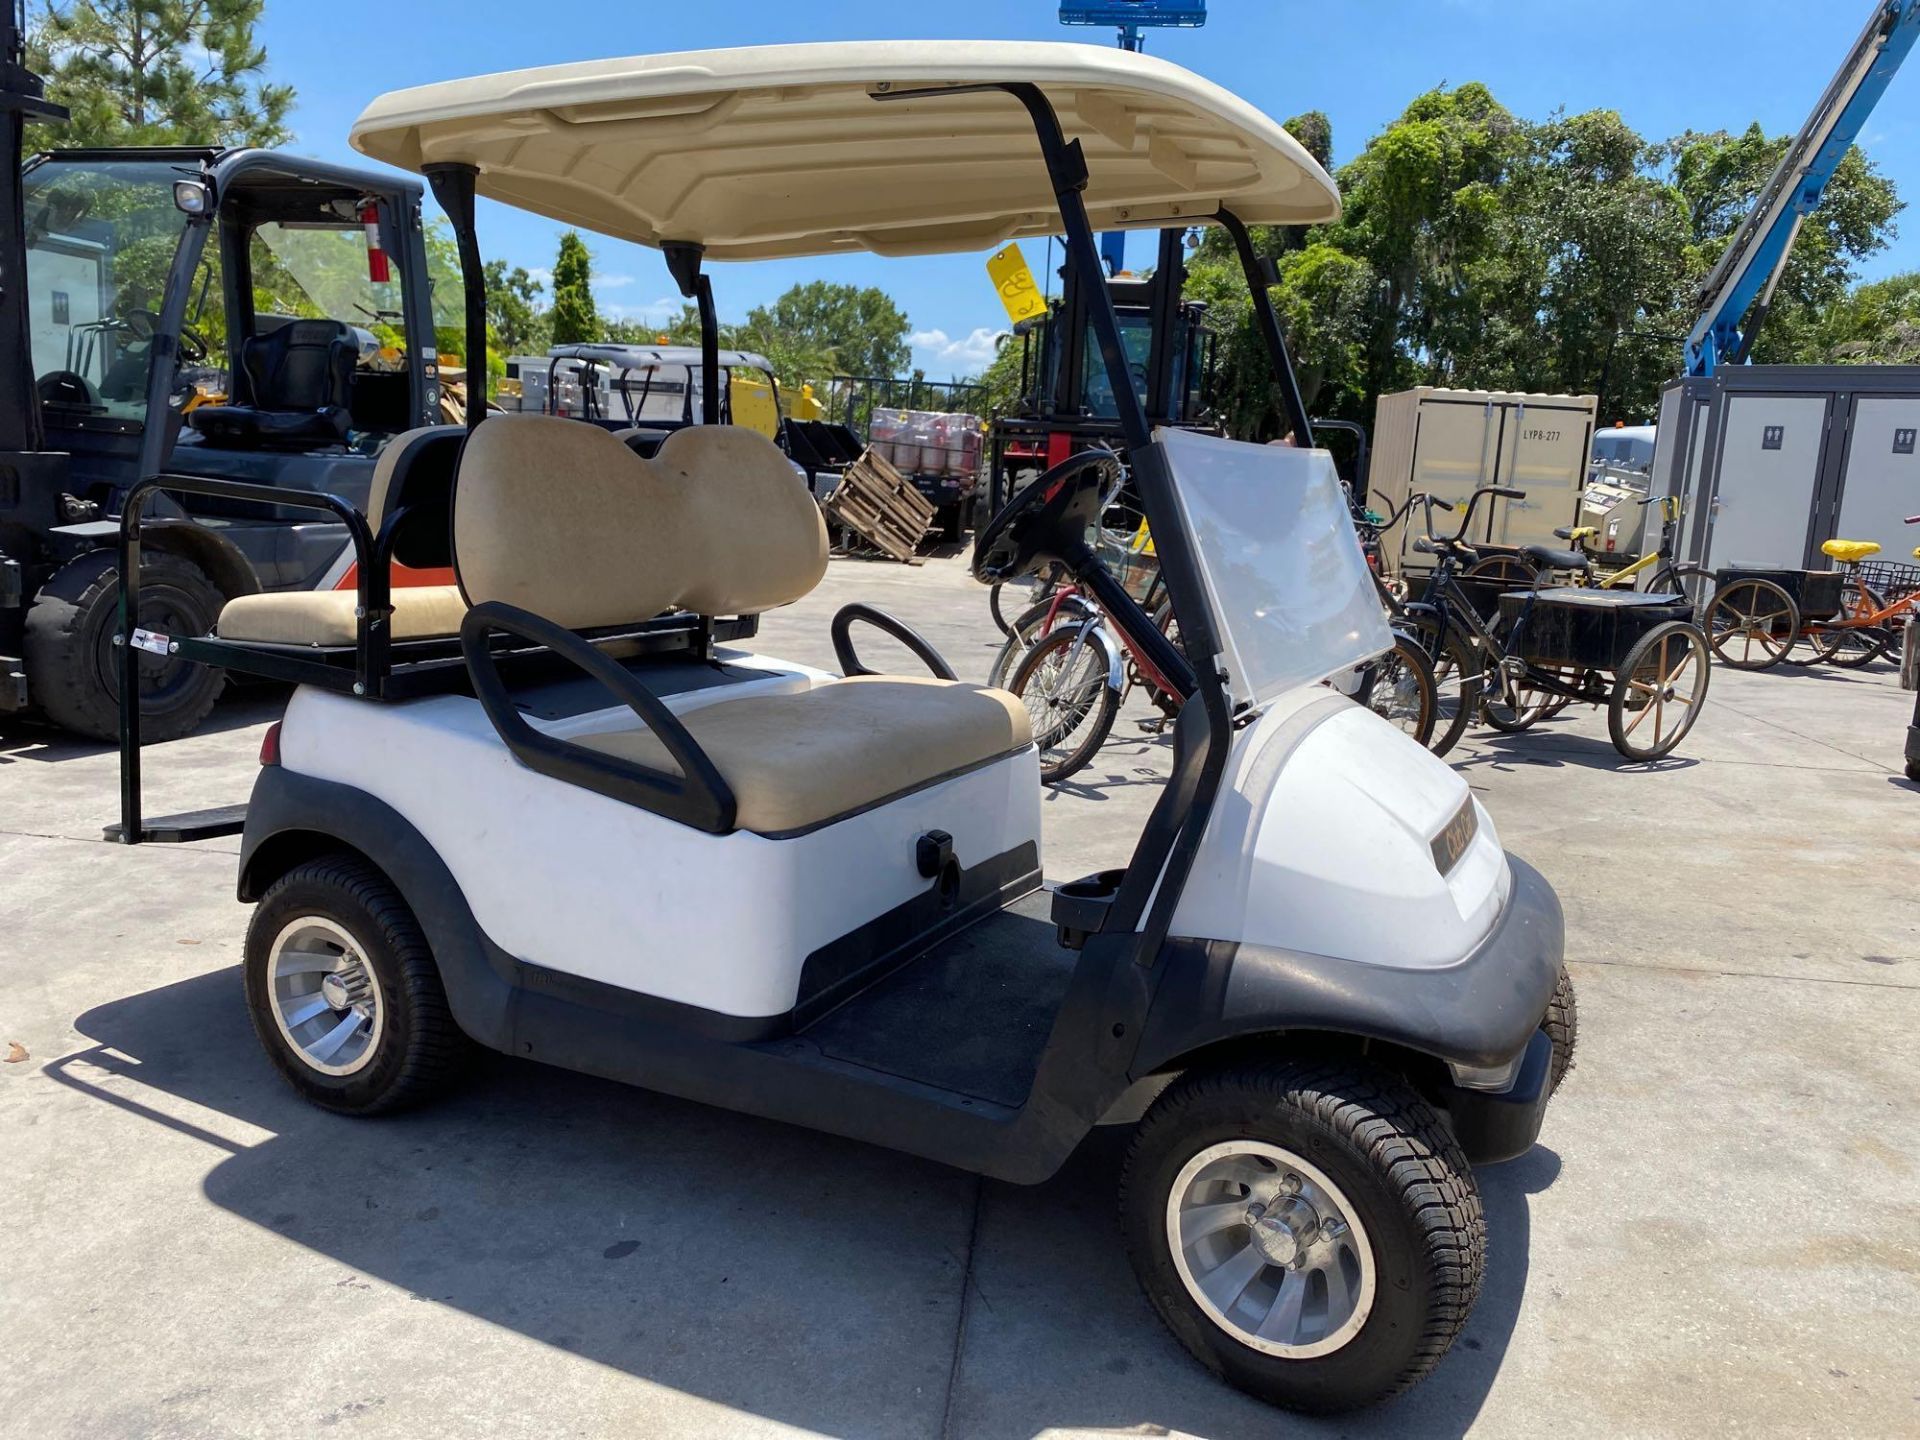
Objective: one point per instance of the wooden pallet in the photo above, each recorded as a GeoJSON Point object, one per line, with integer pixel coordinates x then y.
{"type": "Point", "coordinates": [881, 505]}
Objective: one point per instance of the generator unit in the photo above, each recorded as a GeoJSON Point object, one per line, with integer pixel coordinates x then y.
{"type": "Point", "coordinates": [1771, 460]}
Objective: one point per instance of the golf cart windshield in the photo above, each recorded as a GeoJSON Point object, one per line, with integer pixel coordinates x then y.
{"type": "Point", "coordinates": [1292, 599]}
{"type": "Point", "coordinates": [101, 235]}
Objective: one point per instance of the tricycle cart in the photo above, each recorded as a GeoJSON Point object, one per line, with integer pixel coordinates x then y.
{"type": "Point", "coordinates": [1639, 655]}
{"type": "Point", "coordinates": [1757, 612]}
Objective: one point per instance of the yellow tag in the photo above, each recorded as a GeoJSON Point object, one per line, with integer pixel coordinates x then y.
{"type": "Point", "coordinates": [1011, 277]}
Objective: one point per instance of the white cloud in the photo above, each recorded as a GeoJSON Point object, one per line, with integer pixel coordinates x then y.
{"type": "Point", "coordinates": [654, 312]}
{"type": "Point", "coordinates": [611, 282]}
{"type": "Point", "coordinates": [976, 349]}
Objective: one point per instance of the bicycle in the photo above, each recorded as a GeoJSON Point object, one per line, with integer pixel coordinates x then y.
{"type": "Point", "coordinates": [1543, 647]}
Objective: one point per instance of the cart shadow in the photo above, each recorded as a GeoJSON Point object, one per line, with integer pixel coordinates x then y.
{"type": "Point", "coordinates": [1546, 749]}
{"type": "Point", "coordinates": [29, 741]}
{"type": "Point", "coordinates": [806, 1279]}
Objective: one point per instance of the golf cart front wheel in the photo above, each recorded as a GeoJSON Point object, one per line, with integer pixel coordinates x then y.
{"type": "Point", "coordinates": [1562, 1025]}
{"type": "Point", "coordinates": [1311, 1232]}
{"type": "Point", "coordinates": [344, 993]}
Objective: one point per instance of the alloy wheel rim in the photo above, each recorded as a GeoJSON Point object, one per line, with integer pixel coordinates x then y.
{"type": "Point", "coordinates": [1271, 1249]}
{"type": "Point", "coordinates": [325, 999]}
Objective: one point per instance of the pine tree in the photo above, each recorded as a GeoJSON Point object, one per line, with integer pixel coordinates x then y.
{"type": "Point", "coordinates": [574, 319]}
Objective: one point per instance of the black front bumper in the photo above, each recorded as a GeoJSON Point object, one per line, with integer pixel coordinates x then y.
{"type": "Point", "coordinates": [1492, 1127]}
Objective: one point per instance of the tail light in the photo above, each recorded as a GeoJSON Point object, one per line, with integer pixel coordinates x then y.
{"type": "Point", "coordinates": [270, 745]}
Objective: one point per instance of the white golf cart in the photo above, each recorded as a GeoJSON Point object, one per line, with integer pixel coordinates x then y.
{"type": "Point", "coordinates": [600, 835]}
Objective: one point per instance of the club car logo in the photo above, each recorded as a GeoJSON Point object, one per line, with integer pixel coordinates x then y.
{"type": "Point", "coordinates": [1454, 837]}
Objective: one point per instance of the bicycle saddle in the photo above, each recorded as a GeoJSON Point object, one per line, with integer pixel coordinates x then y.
{"type": "Point", "coordinates": [1847, 552]}
{"type": "Point", "coordinates": [1552, 559]}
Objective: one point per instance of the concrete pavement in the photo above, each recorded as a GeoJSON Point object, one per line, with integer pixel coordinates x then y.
{"type": "Point", "coordinates": [1719, 1233]}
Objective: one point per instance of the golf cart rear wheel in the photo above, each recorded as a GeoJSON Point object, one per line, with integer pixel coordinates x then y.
{"type": "Point", "coordinates": [343, 991]}
{"type": "Point", "coordinates": [73, 666]}
{"type": "Point", "coordinates": [1563, 1028]}
{"type": "Point", "coordinates": [1311, 1231]}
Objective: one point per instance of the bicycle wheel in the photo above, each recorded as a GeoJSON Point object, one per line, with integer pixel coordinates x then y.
{"type": "Point", "coordinates": [1751, 624]}
{"type": "Point", "coordinates": [1065, 682]}
{"type": "Point", "coordinates": [1693, 581]}
{"type": "Point", "coordinates": [1401, 691]}
{"type": "Point", "coordinates": [1496, 575]}
{"type": "Point", "coordinates": [1840, 642]}
{"type": "Point", "coordinates": [1456, 679]}
{"type": "Point", "coordinates": [1658, 693]}
{"type": "Point", "coordinates": [1028, 628]}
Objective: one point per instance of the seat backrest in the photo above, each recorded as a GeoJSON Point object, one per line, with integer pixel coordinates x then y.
{"type": "Point", "coordinates": [415, 473]}
{"type": "Point", "coordinates": [564, 520]}
{"type": "Point", "coordinates": [300, 365]}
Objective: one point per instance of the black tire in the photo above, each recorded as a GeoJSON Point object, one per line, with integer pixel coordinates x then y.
{"type": "Point", "coordinates": [1913, 771]}
{"type": "Point", "coordinates": [417, 1050]}
{"type": "Point", "coordinates": [1456, 679]}
{"type": "Point", "coordinates": [1668, 666]}
{"type": "Point", "coordinates": [1496, 575]}
{"type": "Point", "coordinates": [73, 666]}
{"type": "Point", "coordinates": [953, 527]}
{"type": "Point", "coordinates": [1071, 724]}
{"type": "Point", "coordinates": [1400, 689]}
{"type": "Point", "coordinates": [1405, 1179]}
{"type": "Point", "coordinates": [1693, 581]}
{"type": "Point", "coordinates": [993, 608]}
{"type": "Point", "coordinates": [1563, 1028]}
{"type": "Point", "coordinates": [1022, 632]}
{"type": "Point", "coordinates": [1852, 647]}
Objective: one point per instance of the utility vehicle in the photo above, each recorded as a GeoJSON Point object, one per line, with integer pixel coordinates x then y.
{"type": "Point", "coordinates": [590, 829]}
{"type": "Point", "coordinates": [241, 314]}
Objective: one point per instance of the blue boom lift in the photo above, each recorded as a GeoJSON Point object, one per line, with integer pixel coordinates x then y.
{"type": "Point", "coordinates": [1754, 261]}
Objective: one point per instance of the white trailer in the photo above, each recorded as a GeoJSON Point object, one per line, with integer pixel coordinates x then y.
{"type": "Point", "coordinates": [1448, 443]}
{"type": "Point", "coordinates": [1771, 460]}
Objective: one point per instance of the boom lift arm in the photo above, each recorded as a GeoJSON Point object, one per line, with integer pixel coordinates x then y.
{"type": "Point", "coordinates": [1756, 257]}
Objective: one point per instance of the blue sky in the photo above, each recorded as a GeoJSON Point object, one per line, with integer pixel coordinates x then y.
{"type": "Point", "coordinates": [1667, 67]}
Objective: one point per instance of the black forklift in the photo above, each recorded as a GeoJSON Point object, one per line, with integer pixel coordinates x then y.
{"type": "Point", "coordinates": [232, 314]}
{"type": "Point", "coordinates": [1066, 402]}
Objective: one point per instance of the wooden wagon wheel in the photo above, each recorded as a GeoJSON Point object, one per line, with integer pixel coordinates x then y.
{"type": "Point", "coordinates": [1658, 693]}
{"type": "Point", "coordinates": [1507, 572]}
{"type": "Point", "coordinates": [1753, 624]}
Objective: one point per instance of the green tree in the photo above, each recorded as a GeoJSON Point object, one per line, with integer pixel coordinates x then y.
{"type": "Point", "coordinates": [820, 327]}
{"type": "Point", "coordinates": [514, 315]}
{"type": "Point", "coordinates": [574, 320]}
{"type": "Point", "coordinates": [157, 72]}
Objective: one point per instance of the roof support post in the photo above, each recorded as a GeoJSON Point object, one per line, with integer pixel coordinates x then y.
{"type": "Point", "coordinates": [1260, 277]}
{"type": "Point", "coordinates": [1067, 170]}
{"type": "Point", "coordinates": [683, 262]}
{"type": "Point", "coordinates": [453, 189]}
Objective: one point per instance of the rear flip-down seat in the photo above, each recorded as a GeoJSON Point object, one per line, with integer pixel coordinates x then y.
{"type": "Point", "coordinates": [414, 473]}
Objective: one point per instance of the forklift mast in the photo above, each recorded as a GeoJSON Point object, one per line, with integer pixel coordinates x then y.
{"type": "Point", "coordinates": [22, 98]}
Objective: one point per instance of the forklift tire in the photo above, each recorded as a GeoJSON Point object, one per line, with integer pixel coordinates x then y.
{"type": "Point", "coordinates": [1363, 1244]}
{"type": "Point", "coordinates": [339, 919]}
{"type": "Point", "coordinates": [73, 666]}
{"type": "Point", "coordinates": [953, 524]}
{"type": "Point", "coordinates": [1563, 1029]}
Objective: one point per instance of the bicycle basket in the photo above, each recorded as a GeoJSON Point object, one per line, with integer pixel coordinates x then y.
{"type": "Point", "coordinates": [1890, 578]}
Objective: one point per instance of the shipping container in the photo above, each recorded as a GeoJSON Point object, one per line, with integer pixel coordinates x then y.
{"type": "Point", "coordinates": [1449, 443]}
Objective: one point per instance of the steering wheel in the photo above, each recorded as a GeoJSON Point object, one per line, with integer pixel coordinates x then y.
{"type": "Point", "coordinates": [139, 323]}
{"type": "Point", "coordinates": [193, 346]}
{"type": "Point", "coordinates": [1046, 520]}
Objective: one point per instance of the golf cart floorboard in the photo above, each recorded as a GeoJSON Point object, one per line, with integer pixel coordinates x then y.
{"type": "Point", "coordinates": [971, 1015]}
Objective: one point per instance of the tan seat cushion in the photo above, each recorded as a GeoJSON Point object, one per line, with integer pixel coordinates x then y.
{"type": "Point", "coordinates": [798, 759]}
{"type": "Point", "coordinates": [325, 617]}
{"type": "Point", "coordinates": [560, 518]}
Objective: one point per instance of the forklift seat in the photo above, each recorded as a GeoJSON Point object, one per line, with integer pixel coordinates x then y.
{"type": "Point", "coordinates": [299, 378]}
{"type": "Point", "coordinates": [562, 521]}
{"type": "Point", "coordinates": [414, 473]}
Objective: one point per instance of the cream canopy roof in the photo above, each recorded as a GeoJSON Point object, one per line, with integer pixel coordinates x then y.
{"type": "Point", "coordinates": [783, 150]}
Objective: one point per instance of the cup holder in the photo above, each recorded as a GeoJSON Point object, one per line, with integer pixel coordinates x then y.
{"type": "Point", "coordinates": [1080, 906]}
